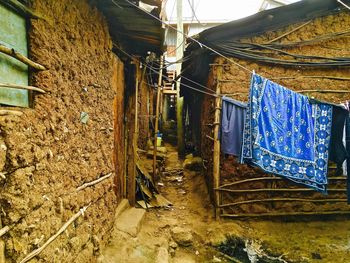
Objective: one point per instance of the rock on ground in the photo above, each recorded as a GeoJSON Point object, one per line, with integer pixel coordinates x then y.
{"type": "Point", "coordinates": [182, 236]}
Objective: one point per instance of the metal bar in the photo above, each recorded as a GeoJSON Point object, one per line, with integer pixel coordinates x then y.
{"type": "Point", "coordinates": [283, 200]}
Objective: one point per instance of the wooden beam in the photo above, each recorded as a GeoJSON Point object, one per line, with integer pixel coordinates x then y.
{"type": "Point", "coordinates": [17, 55]}
{"type": "Point", "coordinates": [169, 92]}
{"type": "Point", "coordinates": [216, 153]}
{"type": "Point", "coordinates": [156, 121]}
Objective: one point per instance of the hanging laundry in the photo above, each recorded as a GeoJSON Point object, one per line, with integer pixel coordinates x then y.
{"type": "Point", "coordinates": [284, 134]}
{"type": "Point", "coordinates": [232, 122]}
{"type": "Point", "coordinates": [337, 151]}
{"type": "Point", "coordinates": [347, 145]}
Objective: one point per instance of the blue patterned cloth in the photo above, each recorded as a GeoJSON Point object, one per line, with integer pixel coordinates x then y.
{"type": "Point", "coordinates": [285, 134]}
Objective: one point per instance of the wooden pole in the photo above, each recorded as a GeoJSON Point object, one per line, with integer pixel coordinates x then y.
{"type": "Point", "coordinates": [60, 231]}
{"type": "Point", "coordinates": [132, 169]}
{"type": "Point", "coordinates": [216, 154]}
{"type": "Point", "coordinates": [156, 121]}
{"type": "Point", "coordinates": [180, 44]}
{"type": "Point", "coordinates": [15, 54]}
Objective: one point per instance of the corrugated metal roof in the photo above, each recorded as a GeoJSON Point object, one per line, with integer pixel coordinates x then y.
{"type": "Point", "coordinates": [131, 28]}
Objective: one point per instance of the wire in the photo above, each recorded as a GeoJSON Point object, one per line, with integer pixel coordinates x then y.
{"type": "Point", "coordinates": [194, 82]}
{"type": "Point", "coordinates": [167, 78]}
{"type": "Point", "coordinates": [194, 13]}
{"type": "Point", "coordinates": [191, 38]}
{"type": "Point", "coordinates": [348, 7]}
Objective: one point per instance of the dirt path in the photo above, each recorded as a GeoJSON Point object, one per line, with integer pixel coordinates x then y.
{"type": "Point", "coordinates": [191, 219]}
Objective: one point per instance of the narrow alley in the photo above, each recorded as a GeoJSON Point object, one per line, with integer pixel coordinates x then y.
{"type": "Point", "coordinates": [187, 231]}
{"type": "Point", "coordinates": [174, 131]}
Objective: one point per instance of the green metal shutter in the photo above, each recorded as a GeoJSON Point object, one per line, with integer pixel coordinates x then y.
{"type": "Point", "coordinates": [13, 34]}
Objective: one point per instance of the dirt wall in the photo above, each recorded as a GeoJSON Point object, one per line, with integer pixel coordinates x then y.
{"type": "Point", "coordinates": [47, 153]}
{"type": "Point", "coordinates": [237, 80]}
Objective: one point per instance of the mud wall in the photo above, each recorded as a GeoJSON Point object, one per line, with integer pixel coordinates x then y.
{"type": "Point", "coordinates": [47, 153]}
{"type": "Point", "coordinates": [238, 80]}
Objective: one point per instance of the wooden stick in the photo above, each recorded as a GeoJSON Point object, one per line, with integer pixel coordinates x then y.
{"type": "Point", "coordinates": [287, 214]}
{"type": "Point", "coordinates": [210, 138]}
{"type": "Point", "coordinates": [289, 32]}
{"type": "Point", "coordinates": [312, 77]}
{"type": "Point", "coordinates": [229, 257]}
{"type": "Point", "coordinates": [323, 91]}
{"type": "Point", "coordinates": [17, 55]}
{"type": "Point", "coordinates": [93, 182]}
{"type": "Point", "coordinates": [15, 86]}
{"type": "Point", "coordinates": [275, 190]}
{"type": "Point", "coordinates": [2, 247]}
{"type": "Point", "coordinates": [216, 152]}
{"type": "Point", "coordinates": [272, 178]}
{"type": "Point", "coordinates": [11, 112]}
{"type": "Point", "coordinates": [156, 121]}
{"type": "Point", "coordinates": [4, 230]}
{"type": "Point", "coordinates": [283, 200]}
{"type": "Point", "coordinates": [52, 238]}
{"type": "Point", "coordinates": [3, 175]}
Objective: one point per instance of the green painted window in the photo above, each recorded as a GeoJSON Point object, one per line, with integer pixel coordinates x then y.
{"type": "Point", "coordinates": [13, 34]}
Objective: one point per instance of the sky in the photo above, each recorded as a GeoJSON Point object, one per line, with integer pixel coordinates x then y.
{"type": "Point", "coordinates": [218, 10]}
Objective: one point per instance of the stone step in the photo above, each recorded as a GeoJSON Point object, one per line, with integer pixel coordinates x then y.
{"type": "Point", "coordinates": [123, 205]}
{"type": "Point", "coordinates": [130, 221]}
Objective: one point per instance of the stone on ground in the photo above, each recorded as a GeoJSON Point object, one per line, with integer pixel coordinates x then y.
{"type": "Point", "coordinates": [182, 236]}
{"type": "Point", "coordinates": [162, 255]}
{"type": "Point", "coordinates": [130, 221]}
{"type": "Point", "coordinates": [193, 163]}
